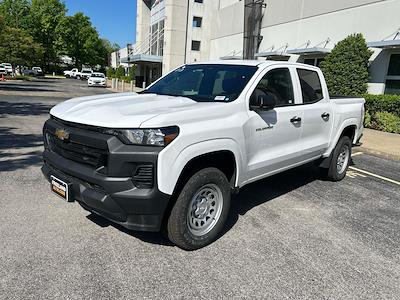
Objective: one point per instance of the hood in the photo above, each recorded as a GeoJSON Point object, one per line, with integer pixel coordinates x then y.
{"type": "Point", "coordinates": [124, 110]}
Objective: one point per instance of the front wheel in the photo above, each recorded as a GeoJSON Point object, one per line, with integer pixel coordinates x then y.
{"type": "Point", "coordinates": [340, 161]}
{"type": "Point", "coordinates": [200, 211]}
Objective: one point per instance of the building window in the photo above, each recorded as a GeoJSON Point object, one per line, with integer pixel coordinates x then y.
{"type": "Point", "coordinates": [394, 65]}
{"type": "Point", "coordinates": [197, 21]}
{"type": "Point", "coordinates": [196, 45]}
{"type": "Point", "coordinates": [198, 1]}
{"type": "Point", "coordinates": [313, 61]}
{"type": "Point", "coordinates": [392, 85]}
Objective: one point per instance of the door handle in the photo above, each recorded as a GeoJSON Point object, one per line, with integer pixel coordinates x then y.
{"type": "Point", "coordinates": [325, 116]}
{"type": "Point", "coordinates": [295, 120]}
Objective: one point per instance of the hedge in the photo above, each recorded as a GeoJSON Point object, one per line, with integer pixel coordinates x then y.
{"type": "Point", "coordinates": [382, 112]}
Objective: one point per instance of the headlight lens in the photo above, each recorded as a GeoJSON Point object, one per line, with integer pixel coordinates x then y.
{"type": "Point", "coordinates": [152, 137]}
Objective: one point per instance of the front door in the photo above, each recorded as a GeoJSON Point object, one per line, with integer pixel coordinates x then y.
{"type": "Point", "coordinates": [273, 136]}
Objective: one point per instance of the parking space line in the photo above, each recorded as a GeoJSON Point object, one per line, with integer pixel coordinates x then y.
{"type": "Point", "coordinates": [375, 175]}
{"type": "Point", "coordinates": [357, 153]}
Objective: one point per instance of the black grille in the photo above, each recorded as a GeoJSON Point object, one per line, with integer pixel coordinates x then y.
{"type": "Point", "coordinates": [143, 177]}
{"type": "Point", "coordinates": [77, 152]}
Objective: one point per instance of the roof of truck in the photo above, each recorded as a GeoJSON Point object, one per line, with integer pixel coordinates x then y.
{"type": "Point", "coordinates": [250, 62]}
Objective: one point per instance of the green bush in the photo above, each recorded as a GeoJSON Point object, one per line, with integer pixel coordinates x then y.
{"type": "Point", "coordinates": [120, 72]}
{"type": "Point", "coordinates": [387, 103]}
{"type": "Point", "coordinates": [132, 73]}
{"type": "Point", "coordinates": [346, 67]}
{"type": "Point", "coordinates": [382, 112]}
{"type": "Point", "coordinates": [388, 122]}
{"type": "Point", "coordinates": [367, 119]}
{"type": "Point", "coordinates": [110, 73]}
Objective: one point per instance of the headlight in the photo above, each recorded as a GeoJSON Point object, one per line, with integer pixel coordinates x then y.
{"type": "Point", "coordinates": [152, 137]}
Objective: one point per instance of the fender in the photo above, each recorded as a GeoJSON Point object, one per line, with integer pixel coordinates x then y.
{"type": "Point", "coordinates": [338, 133]}
{"type": "Point", "coordinates": [171, 162]}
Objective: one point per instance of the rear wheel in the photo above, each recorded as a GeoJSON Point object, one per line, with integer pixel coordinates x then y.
{"type": "Point", "coordinates": [200, 211]}
{"type": "Point", "coordinates": [340, 161]}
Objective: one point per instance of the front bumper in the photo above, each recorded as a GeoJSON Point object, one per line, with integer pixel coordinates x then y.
{"type": "Point", "coordinates": [109, 191]}
{"type": "Point", "coordinates": [102, 84]}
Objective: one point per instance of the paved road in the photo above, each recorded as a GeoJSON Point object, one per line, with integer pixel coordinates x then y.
{"type": "Point", "coordinates": [289, 236]}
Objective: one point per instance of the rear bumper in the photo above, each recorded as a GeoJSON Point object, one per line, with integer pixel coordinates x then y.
{"type": "Point", "coordinates": [111, 191]}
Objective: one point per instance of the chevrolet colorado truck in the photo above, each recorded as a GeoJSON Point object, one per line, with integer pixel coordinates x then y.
{"type": "Point", "coordinates": [169, 158]}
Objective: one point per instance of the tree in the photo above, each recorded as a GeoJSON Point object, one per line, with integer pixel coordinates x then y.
{"type": "Point", "coordinates": [45, 18]}
{"type": "Point", "coordinates": [16, 13]}
{"type": "Point", "coordinates": [120, 72]}
{"type": "Point", "coordinates": [80, 40]}
{"type": "Point", "coordinates": [346, 67]}
{"type": "Point", "coordinates": [111, 47]}
{"type": "Point", "coordinates": [17, 46]}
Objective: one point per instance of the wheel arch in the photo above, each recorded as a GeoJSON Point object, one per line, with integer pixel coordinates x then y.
{"type": "Point", "coordinates": [222, 153]}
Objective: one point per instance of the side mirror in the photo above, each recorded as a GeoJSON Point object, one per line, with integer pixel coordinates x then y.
{"type": "Point", "coordinates": [264, 102]}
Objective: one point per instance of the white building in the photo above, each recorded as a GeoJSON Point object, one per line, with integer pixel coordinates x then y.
{"type": "Point", "coordinates": [173, 32]}
{"type": "Point", "coordinates": [115, 59]}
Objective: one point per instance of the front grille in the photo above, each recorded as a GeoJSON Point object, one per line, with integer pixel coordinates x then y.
{"type": "Point", "coordinates": [77, 152]}
{"type": "Point", "coordinates": [143, 177]}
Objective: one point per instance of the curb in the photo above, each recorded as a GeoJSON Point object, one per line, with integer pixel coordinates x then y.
{"type": "Point", "coordinates": [381, 154]}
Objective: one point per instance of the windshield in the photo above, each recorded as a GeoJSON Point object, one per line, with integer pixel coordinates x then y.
{"type": "Point", "coordinates": [97, 75]}
{"type": "Point", "coordinates": [205, 82]}
{"type": "Point", "coordinates": [86, 71]}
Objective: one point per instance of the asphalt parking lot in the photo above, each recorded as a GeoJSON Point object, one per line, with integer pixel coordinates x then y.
{"type": "Point", "coordinates": [289, 236]}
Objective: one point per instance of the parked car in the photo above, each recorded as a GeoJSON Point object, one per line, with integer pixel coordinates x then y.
{"type": "Point", "coordinates": [70, 73]}
{"type": "Point", "coordinates": [84, 74]}
{"type": "Point", "coordinates": [97, 79]}
{"type": "Point", "coordinates": [3, 70]}
{"type": "Point", "coordinates": [169, 158]}
{"type": "Point", "coordinates": [28, 72]}
{"type": "Point", "coordinates": [37, 71]}
{"type": "Point", "coordinates": [9, 68]}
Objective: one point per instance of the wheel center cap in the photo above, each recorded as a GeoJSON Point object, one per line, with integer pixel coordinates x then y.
{"type": "Point", "coordinates": [201, 208]}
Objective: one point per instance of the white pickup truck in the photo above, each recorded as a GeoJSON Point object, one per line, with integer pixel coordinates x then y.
{"type": "Point", "coordinates": [170, 157]}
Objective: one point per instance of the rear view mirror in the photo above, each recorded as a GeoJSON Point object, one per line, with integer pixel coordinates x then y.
{"type": "Point", "coordinates": [264, 102]}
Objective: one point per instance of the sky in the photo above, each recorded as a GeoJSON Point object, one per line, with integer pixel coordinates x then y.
{"type": "Point", "coordinates": [114, 20]}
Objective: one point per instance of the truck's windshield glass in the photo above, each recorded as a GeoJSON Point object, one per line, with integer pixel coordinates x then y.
{"type": "Point", "coordinates": [205, 82]}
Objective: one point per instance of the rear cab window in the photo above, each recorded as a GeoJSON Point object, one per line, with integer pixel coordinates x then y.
{"type": "Point", "coordinates": [310, 83]}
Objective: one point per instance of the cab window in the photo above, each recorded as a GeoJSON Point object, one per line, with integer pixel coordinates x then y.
{"type": "Point", "coordinates": [278, 84]}
{"type": "Point", "coordinates": [311, 88]}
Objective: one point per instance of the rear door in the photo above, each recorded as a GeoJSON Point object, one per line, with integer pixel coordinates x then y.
{"type": "Point", "coordinates": [272, 137]}
{"type": "Point", "coordinates": [318, 115]}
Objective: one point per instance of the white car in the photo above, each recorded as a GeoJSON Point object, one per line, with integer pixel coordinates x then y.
{"type": "Point", "coordinates": [170, 157]}
{"type": "Point", "coordinates": [97, 79]}
{"type": "Point", "coordinates": [84, 74]}
{"type": "Point", "coordinates": [70, 73]}
{"type": "Point", "coordinates": [3, 70]}
{"type": "Point", "coordinates": [37, 71]}
{"type": "Point", "coordinates": [9, 68]}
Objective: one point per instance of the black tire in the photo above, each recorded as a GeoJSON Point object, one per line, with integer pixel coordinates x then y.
{"type": "Point", "coordinates": [332, 173]}
{"type": "Point", "coordinates": [179, 230]}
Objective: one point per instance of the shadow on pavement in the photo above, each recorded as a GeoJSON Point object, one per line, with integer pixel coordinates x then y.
{"type": "Point", "coordinates": [148, 237]}
{"type": "Point", "coordinates": [268, 189]}
{"type": "Point", "coordinates": [24, 88]}
{"type": "Point", "coordinates": [13, 150]}
{"type": "Point", "coordinates": [24, 108]}
{"type": "Point", "coordinates": [249, 197]}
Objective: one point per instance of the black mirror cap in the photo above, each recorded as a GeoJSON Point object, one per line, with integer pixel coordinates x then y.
{"type": "Point", "coordinates": [264, 102]}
